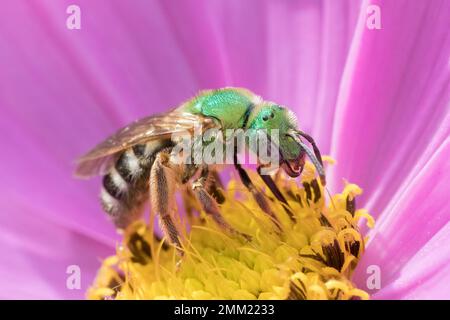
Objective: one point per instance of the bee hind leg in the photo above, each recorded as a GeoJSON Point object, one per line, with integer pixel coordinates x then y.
{"type": "Point", "coordinates": [162, 195]}
{"type": "Point", "coordinates": [209, 204]}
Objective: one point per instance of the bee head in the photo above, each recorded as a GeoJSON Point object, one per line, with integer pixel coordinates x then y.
{"type": "Point", "coordinates": [292, 149]}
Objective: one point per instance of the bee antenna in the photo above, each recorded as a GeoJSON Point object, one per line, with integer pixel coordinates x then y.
{"type": "Point", "coordinates": [313, 144]}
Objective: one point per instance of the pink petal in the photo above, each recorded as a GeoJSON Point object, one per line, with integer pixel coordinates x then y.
{"type": "Point", "coordinates": [307, 46]}
{"type": "Point", "coordinates": [418, 212]}
{"type": "Point", "coordinates": [426, 275]}
{"type": "Point", "coordinates": [394, 95]}
{"type": "Point", "coordinates": [36, 254]}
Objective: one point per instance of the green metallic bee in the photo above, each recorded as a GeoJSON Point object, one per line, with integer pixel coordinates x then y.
{"type": "Point", "coordinates": [136, 162]}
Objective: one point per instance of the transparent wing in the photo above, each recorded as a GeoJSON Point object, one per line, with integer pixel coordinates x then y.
{"type": "Point", "coordinates": [100, 159]}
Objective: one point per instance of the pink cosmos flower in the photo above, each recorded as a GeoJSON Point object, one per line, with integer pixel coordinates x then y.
{"type": "Point", "coordinates": [377, 100]}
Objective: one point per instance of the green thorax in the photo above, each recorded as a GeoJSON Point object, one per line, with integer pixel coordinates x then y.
{"type": "Point", "coordinates": [228, 105]}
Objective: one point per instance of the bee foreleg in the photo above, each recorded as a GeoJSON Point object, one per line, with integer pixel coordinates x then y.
{"type": "Point", "coordinates": [162, 194]}
{"type": "Point", "coordinates": [276, 192]}
{"type": "Point", "coordinates": [257, 194]}
{"type": "Point", "coordinates": [209, 204]}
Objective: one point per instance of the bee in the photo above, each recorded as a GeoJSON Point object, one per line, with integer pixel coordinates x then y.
{"type": "Point", "coordinates": [137, 162]}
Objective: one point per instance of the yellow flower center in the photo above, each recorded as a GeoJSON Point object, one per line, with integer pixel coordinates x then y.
{"type": "Point", "coordinates": [312, 258]}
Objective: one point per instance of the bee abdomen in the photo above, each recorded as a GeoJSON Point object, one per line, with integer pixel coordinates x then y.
{"type": "Point", "coordinates": [114, 184]}
{"type": "Point", "coordinates": [126, 186]}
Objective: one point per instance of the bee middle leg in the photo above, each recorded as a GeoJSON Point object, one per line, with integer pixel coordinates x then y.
{"type": "Point", "coordinates": [209, 204]}
{"type": "Point", "coordinates": [215, 186]}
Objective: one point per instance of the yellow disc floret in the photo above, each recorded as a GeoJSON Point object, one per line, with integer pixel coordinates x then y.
{"type": "Point", "coordinates": [313, 257]}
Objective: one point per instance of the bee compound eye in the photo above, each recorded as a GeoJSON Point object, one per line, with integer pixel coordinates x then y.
{"type": "Point", "coordinates": [268, 116]}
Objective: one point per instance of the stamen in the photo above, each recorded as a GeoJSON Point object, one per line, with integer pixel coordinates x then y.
{"type": "Point", "coordinates": [350, 205]}
{"type": "Point", "coordinates": [139, 248]}
{"type": "Point", "coordinates": [307, 188]}
{"type": "Point", "coordinates": [316, 189]}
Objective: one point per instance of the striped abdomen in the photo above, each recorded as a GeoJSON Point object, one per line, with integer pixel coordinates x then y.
{"type": "Point", "coordinates": [126, 187]}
